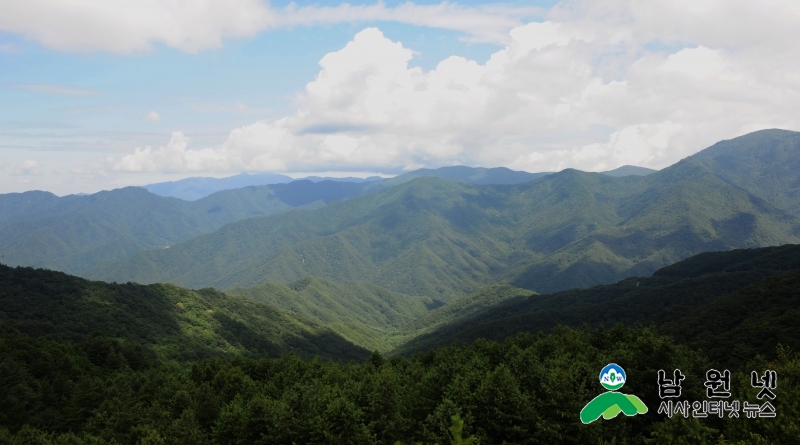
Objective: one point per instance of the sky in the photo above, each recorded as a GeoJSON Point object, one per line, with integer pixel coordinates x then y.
{"type": "Point", "coordinates": [98, 94]}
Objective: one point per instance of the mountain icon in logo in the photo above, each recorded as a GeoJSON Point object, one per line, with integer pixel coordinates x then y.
{"type": "Point", "coordinates": [611, 403]}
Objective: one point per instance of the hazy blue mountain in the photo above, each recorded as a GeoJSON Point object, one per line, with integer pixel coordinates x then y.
{"type": "Point", "coordinates": [74, 233]}
{"type": "Point", "coordinates": [472, 175]}
{"type": "Point", "coordinates": [444, 239]}
{"type": "Point", "coordinates": [32, 205]}
{"type": "Point", "coordinates": [345, 179]}
{"type": "Point", "coordinates": [77, 232]}
{"type": "Point", "coordinates": [194, 188]}
{"type": "Point", "coordinates": [628, 170]}
{"type": "Point", "coordinates": [191, 189]}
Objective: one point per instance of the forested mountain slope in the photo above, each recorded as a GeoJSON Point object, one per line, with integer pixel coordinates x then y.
{"type": "Point", "coordinates": [75, 233]}
{"type": "Point", "coordinates": [447, 239]}
{"type": "Point", "coordinates": [179, 324]}
{"type": "Point", "coordinates": [765, 163]}
{"type": "Point", "coordinates": [363, 313]}
{"type": "Point", "coordinates": [746, 298]}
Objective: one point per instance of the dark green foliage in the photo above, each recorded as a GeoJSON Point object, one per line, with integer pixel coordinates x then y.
{"type": "Point", "coordinates": [732, 304]}
{"type": "Point", "coordinates": [363, 313]}
{"type": "Point", "coordinates": [176, 323]}
{"type": "Point", "coordinates": [753, 320]}
{"type": "Point", "coordinates": [526, 390]}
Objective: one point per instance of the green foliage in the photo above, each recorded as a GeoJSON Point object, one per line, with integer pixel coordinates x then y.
{"type": "Point", "coordinates": [526, 390]}
{"type": "Point", "coordinates": [457, 430]}
{"type": "Point", "coordinates": [175, 323]}
{"type": "Point", "coordinates": [371, 316]}
{"type": "Point", "coordinates": [365, 314]}
{"type": "Point", "coordinates": [731, 304]}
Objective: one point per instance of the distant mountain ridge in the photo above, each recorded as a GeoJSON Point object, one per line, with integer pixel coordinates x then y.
{"type": "Point", "coordinates": [194, 188]}
{"type": "Point", "coordinates": [628, 170]}
{"type": "Point", "coordinates": [444, 239]}
{"type": "Point", "coordinates": [78, 232]}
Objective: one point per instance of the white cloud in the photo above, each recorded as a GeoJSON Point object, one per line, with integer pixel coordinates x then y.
{"type": "Point", "coordinates": [46, 88]}
{"type": "Point", "coordinates": [700, 62]}
{"type": "Point", "coordinates": [533, 106]}
{"type": "Point", "coordinates": [481, 24]}
{"type": "Point", "coordinates": [28, 167]}
{"type": "Point", "coordinates": [170, 158]}
{"type": "Point", "coordinates": [126, 26]}
{"type": "Point", "coordinates": [658, 92]}
{"type": "Point", "coordinates": [152, 116]}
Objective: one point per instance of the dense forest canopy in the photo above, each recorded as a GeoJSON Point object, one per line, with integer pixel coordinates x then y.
{"type": "Point", "coordinates": [527, 390]}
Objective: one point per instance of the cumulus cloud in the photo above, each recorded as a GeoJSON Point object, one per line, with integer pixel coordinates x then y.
{"type": "Point", "coordinates": [126, 26]}
{"type": "Point", "coordinates": [152, 116]}
{"type": "Point", "coordinates": [172, 157]}
{"type": "Point", "coordinates": [597, 85]}
{"type": "Point", "coordinates": [28, 167]}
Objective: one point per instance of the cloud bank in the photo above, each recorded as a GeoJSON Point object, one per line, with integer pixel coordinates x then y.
{"type": "Point", "coordinates": [597, 85]}
{"type": "Point", "coordinates": [126, 26]}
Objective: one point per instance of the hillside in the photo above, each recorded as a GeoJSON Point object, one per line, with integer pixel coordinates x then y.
{"type": "Point", "coordinates": [371, 316]}
{"type": "Point", "coordinates": [707, 300]}
{"type": "Point", "coordinates": [363, 313]}
{"type": "Point", "coordinates": [177, 323]}
{"type": "Point", "coordinates": [678, 212]}
{"type": "Point", "coordinates": [765, 163]}
{"type": "Point", "coordinates": [446, 239]}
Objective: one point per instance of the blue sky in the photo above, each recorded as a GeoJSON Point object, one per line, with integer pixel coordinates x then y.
{"type": "Point", "coordinates": [81, 105]}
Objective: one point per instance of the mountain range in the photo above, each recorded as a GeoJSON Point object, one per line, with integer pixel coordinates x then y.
{"type": "Point", "coordinates": [294, 284]}
{"type": "Point", "coordinates": [78, 232]}
{"type": "Point", "coordinates": [194, 188]}
{"type": "Point", "coordinates": [444, 239]}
